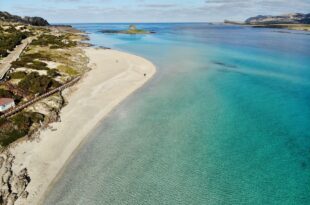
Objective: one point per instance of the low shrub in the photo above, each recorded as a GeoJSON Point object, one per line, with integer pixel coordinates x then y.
{"type": "Point", "coordinates": [52, 73]}
{"type": "Point", "coordinates": [37, 65]}
{"type": "Point", "coordinates": [6, 94]}
{"type": "Point", "coordinates": [54, 42]}
{"type": "Point", "coordinates": [37, 84]}
{"type": "Point", "coordinates": [18, 75]}
{"type": "Point", "coordinates": [18, 126]}
{"type": "Point", "coordinates": [67, 69]}
{"type": "Point", "coordinates": [32, 61]}
{"type": "Point", "coordinates": [9, 40]}
{"type": "Point", "coordinates": [9, 94]}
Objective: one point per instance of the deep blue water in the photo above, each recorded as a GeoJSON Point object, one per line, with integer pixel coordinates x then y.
{"type": "Point", "coordinates": [225, 121]}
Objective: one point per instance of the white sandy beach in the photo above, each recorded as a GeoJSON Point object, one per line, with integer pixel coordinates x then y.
{"type": "Point", "coordinates": [114, 76]}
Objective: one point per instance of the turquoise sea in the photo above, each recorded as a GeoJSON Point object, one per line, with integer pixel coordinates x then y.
{"type": "Point", "coordinates": [226, 120]}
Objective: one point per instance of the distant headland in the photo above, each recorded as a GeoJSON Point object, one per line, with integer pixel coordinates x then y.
{"type": "Point", "coordinates": [34, 21]}
{"type": "Point", "coordinates": [294, 21]}
{"type": "Point", "coordinates": [132, 30]}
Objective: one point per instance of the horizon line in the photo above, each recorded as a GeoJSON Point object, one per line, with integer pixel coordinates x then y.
{"type": "Point", "coordinates": [133, 22]}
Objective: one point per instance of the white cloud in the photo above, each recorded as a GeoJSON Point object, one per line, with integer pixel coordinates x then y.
{"type": "Point", "coordinates": [156, 11]}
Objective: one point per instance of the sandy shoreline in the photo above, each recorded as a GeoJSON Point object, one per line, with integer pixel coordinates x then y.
{"type": "Point", "coordinates": [114, 76]}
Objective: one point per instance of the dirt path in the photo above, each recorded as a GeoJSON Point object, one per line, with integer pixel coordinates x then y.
{"type": "Point", "coordinates": [5, 64]}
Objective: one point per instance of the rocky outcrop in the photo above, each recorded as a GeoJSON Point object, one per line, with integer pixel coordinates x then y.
{"type": "Point", "coordinates": [35, 21]}
{"type": "Point", "coordinates": [12, 185]}
{"type": "Point", "coordinates": [131, 30]}
{"type": "Point", "coordinates": [295, 18]}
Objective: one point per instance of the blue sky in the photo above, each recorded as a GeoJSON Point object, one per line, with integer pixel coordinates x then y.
{"type": "Point", "coordinates": [73, 11]}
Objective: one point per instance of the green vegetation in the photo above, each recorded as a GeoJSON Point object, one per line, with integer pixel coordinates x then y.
{"type": "Point", "coordinates": [37, 78]}
{"type": "Point", "coordinates": [9, 39]}
{"type": "Point", "coordinates": [37, 65]}
{"type": "Point", "coordinates": [18, 126]}
{"type": "Point", "coordinates": [9, 94]}
{"type": "Point", "coordinates": [67, 69]}
{"type": "Point", "coordinates": [53, 73]}
{"type": "Point", "coordinates": [37, 84]}
{"type": "Point", "coordinates": [6, 94]}
{"type": "Point", "coordinates": [54, 42]}
{"type": "Point", "coordinates": [18, 75]}
{"type": "Point", "coordinates": [32, 61]}
{"type": "Point", "coordinates": [33, 82]}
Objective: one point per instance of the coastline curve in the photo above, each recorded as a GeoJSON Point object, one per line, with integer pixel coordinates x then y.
{"type": "Point", "coordinates": [114, 75]}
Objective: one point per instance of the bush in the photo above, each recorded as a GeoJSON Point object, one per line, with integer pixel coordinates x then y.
{"type": "Point", "coordinates": [37, 65]}
{"type": "Point", "coordinates": [18, 64]}
{"type": "Point", "coordinates": [7, 138]}
{"type": "Point", "coordinates": [69, 70]}
{"type": "Point", "coordinates": [31, 61]}
{"type": "Point", "coordinates": [26, 119]}
{"type": "Point", "coordinates": [54, 42]}
{"type": "Point", "coordinates": [18, 126]}
{"type": "Point", "coordinates": [3, 52]}
{"type": "Point", "coordinates": [6, 94]}
{"type": "Point", "coordinates": [18, 75]}
{"type": "Point", "coordinates": [9, 40]}
{"type": "Point", "coordinates": [40, 56]}
{"type": "Point", "coordinates": [52, 73]}
{"type": "Point", "coordinates": [37, 84]}
{"type": "Point", "coordinates": [9, 94]}
{"type": "Point", "coordinates": [3, 121]}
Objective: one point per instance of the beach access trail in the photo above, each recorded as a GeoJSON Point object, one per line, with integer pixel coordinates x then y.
{"type": "Point", "coordinates": [5, 63]}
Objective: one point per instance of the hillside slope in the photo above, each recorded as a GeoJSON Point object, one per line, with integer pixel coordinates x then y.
{"type": "Point", "coordinates": [35, 21]}
{"type": "Point", "coordinates": [295, 18]}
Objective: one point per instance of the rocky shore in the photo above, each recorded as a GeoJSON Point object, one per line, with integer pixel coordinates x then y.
{"type": "Point", "coordinates": [14, 181]}
{"type": "Point", "coordinates": [13, 185]}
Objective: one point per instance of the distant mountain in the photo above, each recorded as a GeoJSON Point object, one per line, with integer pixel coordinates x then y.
{"type": "Point", "coordinates": [35, 21]}
{"type": "Point", "coordinates": [295, 18]}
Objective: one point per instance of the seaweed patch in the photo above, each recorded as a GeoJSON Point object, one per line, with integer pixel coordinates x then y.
{"type": "Point", "coordinates": [224, 64]}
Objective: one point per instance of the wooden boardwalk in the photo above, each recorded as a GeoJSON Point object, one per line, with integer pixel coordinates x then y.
{"type": "Point", "coordinates": [36, 99]}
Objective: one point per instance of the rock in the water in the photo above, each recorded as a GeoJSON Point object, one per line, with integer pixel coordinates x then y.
{"type": "Point", "coordinates": [132, 27]}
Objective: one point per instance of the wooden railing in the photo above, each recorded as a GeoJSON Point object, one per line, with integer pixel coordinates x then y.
{"type": "Point", "coordinates": [36, 99]}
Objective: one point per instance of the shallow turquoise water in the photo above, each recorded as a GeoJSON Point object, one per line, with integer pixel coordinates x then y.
{"type": "Point", "coordinates": [225, 121]}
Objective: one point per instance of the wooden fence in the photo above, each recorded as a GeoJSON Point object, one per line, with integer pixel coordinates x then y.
{"type": "Point", "coordinates": [36, 99]}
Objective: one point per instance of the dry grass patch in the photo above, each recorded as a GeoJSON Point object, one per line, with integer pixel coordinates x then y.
{"type": "Point", "coordinates": [68, 70]}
